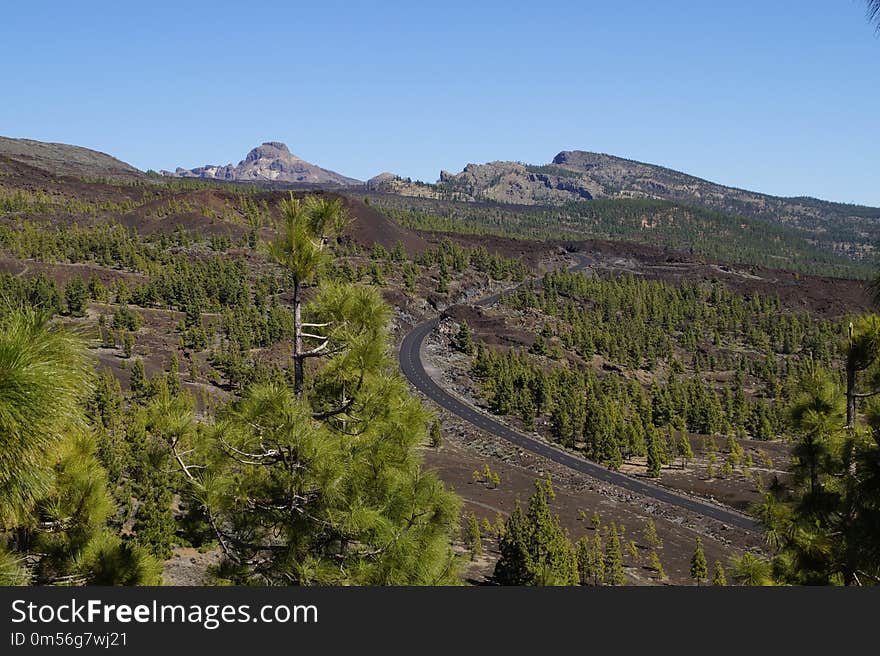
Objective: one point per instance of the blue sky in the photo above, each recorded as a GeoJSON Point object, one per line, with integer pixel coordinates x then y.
{"type": "Point", "coordinates": [780, 97]}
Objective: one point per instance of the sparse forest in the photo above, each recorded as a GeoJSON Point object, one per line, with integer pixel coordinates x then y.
{"type": "Point", "coordinates": [698, 348]}
{"type": "Point", "coordinates": [227, 390]}
{"type": "Point", "coordinates": [325, 455]}
{"type": "Point", "coordinates": [683, 228]}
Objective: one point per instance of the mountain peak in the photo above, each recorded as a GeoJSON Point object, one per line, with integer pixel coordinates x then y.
{"type": "Point", "coordinates": [378, 181]}
{"type": "Point", "coordinates": [582, 158]}
{"type": "Point", "coordinates": [270, 161]}
{"type": "Point", "coordinates": [269, 150]}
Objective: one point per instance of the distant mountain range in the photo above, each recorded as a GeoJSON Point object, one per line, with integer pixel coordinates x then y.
{"type": "Point", "coordinates": [269, 162]}
{"type": "Point", "coordinates": [571, 177]}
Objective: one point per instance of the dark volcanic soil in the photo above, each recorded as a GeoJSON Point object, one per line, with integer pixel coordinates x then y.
{"type": "Point", "coordinates": [577, 497]}
{"type": "Point", "coordinates": [829, 297]}
{"type": "Point", "coordinates": [213, 210]}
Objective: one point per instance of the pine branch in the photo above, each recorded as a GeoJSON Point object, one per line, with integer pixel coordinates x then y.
{"type": "Point", "coordinates": [874, 12]}
{"type": "Point", "coordinates": [268, 457]}
{"type": "Point", "coordinates": [327, 414]}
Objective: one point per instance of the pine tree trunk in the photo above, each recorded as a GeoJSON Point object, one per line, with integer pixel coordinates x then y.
{"type": "Point", "coordinates": [298, 373]}
{"type": "Point", "coordinates": [850, 395]}
{"type": "Point", "coordinates": [814, 476]}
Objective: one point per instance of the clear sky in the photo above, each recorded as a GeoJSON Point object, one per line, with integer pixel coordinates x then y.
{"type": "Point", "coordinates": [779, 96]}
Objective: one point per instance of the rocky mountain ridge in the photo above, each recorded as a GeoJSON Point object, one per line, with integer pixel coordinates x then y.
{"type": "Point", "coordinates": [64, 159]}
{"type": "Point", "coordinates": [271, 161]}
{"type": "Point", "coordinates": [576, 176]}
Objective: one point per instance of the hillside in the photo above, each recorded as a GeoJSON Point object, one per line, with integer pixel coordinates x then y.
{"type": "Point", "coordinates": [63, 159]}
{"type": "Point", "coordinates": [270, 162]}
{"type": "Point", "coordinates": [167, 280]}
{"type": "Point", "coordinates": [685, 229]}
{"type": "Point", "coordinates": [850, 230]}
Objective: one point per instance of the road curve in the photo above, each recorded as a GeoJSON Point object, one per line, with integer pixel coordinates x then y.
{"type": "Point", "coordinates": [413, 368]}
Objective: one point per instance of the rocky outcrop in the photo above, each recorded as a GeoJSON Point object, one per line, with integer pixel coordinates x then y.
{"type": "Point", "coordinates": [577, 175]}
{"type": "Point", "coordinates": [382, 182]}
{"type": "Point", "coordinates": [391, 183]}
{"type": "Point", "coordinates": [271, 161]}
{"type": "Point", "coordinates": [520, 184]}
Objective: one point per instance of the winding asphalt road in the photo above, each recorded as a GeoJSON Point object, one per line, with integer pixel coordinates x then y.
{"type": "Point", "coordinates": [413, 368]}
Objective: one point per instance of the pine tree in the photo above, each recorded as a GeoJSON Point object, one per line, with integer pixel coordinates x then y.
{"type": "Point", "coordinates": [539, 346]}
{"type": "Point", "coordinates": [652, 539]}
{"type": "Point", "coordinates": [474, 539]}
{"type": "Point", "coordinates": [154, 523]}
{"type": "Point", "coordinates": [464, 341]}
{"type": "Point", "coordinates": [751, 570]}
{"type": "Point", "coordinates": [76, 297]}
{"type": "Point", "coordinates": [166, 418]}
{"type": "Point", "coordinates": [516, 563]}
{"type": "Point", "coordinates": [326, 488]}
{"type": "Point", "coordinates": [436, 434]}
{"type": "Point", "coordinates": [582, 552]}
{"type": "Point", "coordinates": [442, 283]}
{"type": "Point", "coordinates": [597, 559]}
{"type": "Point", "coordinates": [138, 379]}
{"type": "Point", "coordinates": [300, 248]}
{"type": "Point", "coordinates": [734, 450]}
{"type": "Point", "coordinates": [655, 453]}
{"type": "Point", "coordinates": [485, 526]}
{"type": "Point", "coordinates": [685, 450]}
{"type": "Point", "coordinates": [105, 404]}
{"type": "Point", "coordinates": [832, 494]}
{"type": "Point", "coordinates": [719, 579]}
{"type": "Point", "coordinates": [657, 565]}
{"type": "Point", "coordinates": [109, 560]}
{"type": "Point", "coordinates": [173, 377]}
{"type": "Point", "coordinates": [614, 572]}
{"type": "Point", "coordinates": [55, 505]}
{"type": "Point", "coordinates": [591, 560]}
{"type": "Point", "coordinates": [633, 551]}
{"type": "Point", "coordinates": [726, 469]}
{"type": "Point", "coordinates": [535, 550]}
{"type": "Point", "coordinates": [409, 279]}
{"type": "Point", "coordinates": [699, 569]}
{"type": "Point", "coordinates": [499, 526]}
{"type": "Point", "coordinates": [45, 377]}
{"type": "Point", "coordinates": [399, 252]}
